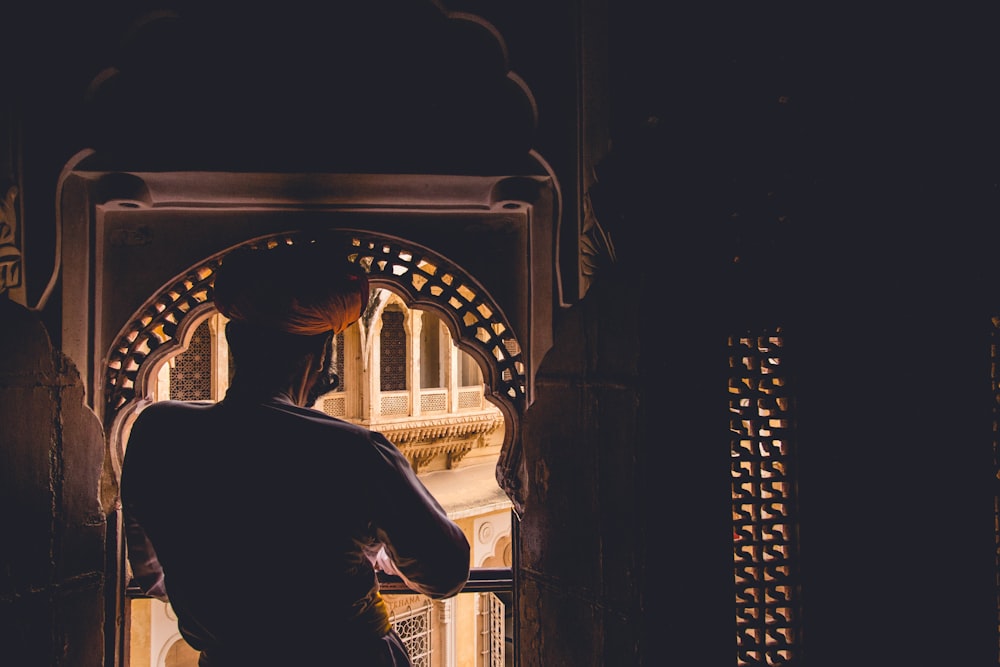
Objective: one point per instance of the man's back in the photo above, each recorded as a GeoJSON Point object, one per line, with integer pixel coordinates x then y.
{"type": "Point", "coordinates": [265, 515]}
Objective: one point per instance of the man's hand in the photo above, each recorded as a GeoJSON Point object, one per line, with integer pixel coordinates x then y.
{"type": "Point", "coordinates": [383, 563]}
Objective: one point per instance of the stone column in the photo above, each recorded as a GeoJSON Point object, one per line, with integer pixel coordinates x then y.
{"type": "Point", "coordinates": [53, 557]}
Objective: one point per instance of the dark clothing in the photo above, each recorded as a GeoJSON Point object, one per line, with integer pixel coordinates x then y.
{"type": "Point", "coordinates": [266, 518]}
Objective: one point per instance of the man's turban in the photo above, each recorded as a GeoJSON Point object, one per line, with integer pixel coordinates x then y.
{"type": "Point", "coordinates": [302, 289]}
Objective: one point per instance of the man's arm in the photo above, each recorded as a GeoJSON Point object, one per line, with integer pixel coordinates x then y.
{"type": "Point", "coordinates": [146, 571]}
{"type": "Point", "coordinates": [429, 551]}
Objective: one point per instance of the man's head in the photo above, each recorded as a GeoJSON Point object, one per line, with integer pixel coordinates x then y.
{"type": "Point", "coordinates": [304, 289]}
{"type": "Point", "coordinates": [285, 304]}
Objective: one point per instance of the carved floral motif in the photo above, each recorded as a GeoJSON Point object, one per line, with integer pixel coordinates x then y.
{"type": "Point", "coordinates": [10, 254]}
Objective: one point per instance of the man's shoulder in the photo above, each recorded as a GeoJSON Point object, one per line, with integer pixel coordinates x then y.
{"type": "Point", "coordinates": [163, 418]}
{"type": "Point", "coordinates": [324, 422]}
{"type": "Point", "coordinates": [334, 427]}
{"type": "Point", "coordinates": [173, 409]}
{"type": "Point", "coordinates": [172, 405]}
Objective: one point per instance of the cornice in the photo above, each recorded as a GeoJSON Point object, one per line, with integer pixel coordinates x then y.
{"type": "Point", "coordinates": [422, 440]}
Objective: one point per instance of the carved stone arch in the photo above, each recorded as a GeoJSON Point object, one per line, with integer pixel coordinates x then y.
{"type": "Point", "coordinates": [423, 278]}
{"type": "Point", "coordinates": [426, 280]}
{"type": "Point", "coordinates": [142, 365]}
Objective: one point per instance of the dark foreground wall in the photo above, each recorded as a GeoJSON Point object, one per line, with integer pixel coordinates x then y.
{"type": "Point", "coordinates": [847, 156]}
{"type": "Point", "coordinates": [53, 552]}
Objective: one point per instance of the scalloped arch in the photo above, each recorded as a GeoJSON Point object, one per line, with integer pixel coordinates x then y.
{"type": "Point", "coordinates": [424, 279]}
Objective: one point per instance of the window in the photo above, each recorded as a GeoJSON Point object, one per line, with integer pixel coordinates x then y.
{"type": "Point", "coordinates": [764, 522]}
{"type": "Point", "coordinates": [470, 374]}
{"type": "Point", "coordinates": [414, 628]}
{"type": "Point", "coordinates": [190, 374]}
{"type": "Point", "coordinates": [494, 621]}
{"type": "Point", "coordinates": [432, 368]}
{"type": "Point", "coordinates": [338, 364]}
{"type": "Point", "coordinates": [392, 354]}
{"type": "Point", "coordinates": [995, 385]}
{"type": "Point", "coordinates": [204, 370]}
{"type": "Point", "coordinates": [381, 222]}
{"type": "Point", "coordinates": [335, 403]}
{"type": "Point", "coordinates": [443, 450]}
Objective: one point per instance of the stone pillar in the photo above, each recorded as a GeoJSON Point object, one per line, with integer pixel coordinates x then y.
{"type": "Point", "coordinates": [415, 325]}
{"type": "Point", "coordinates": [52, 557]}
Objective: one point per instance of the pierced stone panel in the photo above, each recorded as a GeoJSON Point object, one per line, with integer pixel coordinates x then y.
{"type": "Point", "coordinates": [995, 385]}
{"type": "Point", "coordinates": [394, 405]}
{"type": "Point", "coordinates": [155, 325]}
{"type": "Point", "coordinates": [434, 401]}
{"type": "Point", "coordinates": [191, 373]}
{"type": "Point", "coordinates": [338, 364]}
{"type": "Point", "coordinates": [392, 352]}
{"type": "Point", "coordinates": [426, 279]}
{"type": "Point", "coordinates": [470, 399]}
{"type": "Point", "coordinates": [335, 406]}
{"type": "Point", "coordinates": [423, 277]}
{"type": "Point", "coordinates": [414, 627]}
{"type": "Point", "coordinates": [768, 611]}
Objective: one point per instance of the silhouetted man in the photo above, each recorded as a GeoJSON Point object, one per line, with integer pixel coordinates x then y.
{"type": "Point", "coordinates": [263, 521]}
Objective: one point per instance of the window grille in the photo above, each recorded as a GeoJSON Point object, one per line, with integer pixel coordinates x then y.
{"type": "Point", "coordinates": [424, 277]}
{"type": "Point", "coordinates": [414, 628]}
{"type": "Point", "coordinates": [470, 399]}
{"type": "Point", "coordinates": [764, 525]}
{"type": "Point", "coordinates": [995, 384]}
{"type": "Point", "coordinates": [392, 358]}
{"type": "Point", "coordinates": [335, 406]}
{"type": "Point", "coordinates": [394, 405]}
{"type": "Point", "coordinates": [434, 401]}
{"type": "Point", "coordinates": [338, 364]}
{"type": "Point", "coordinates": [493, 631]}
{"type": "Point", "coordinates": [191, 372]}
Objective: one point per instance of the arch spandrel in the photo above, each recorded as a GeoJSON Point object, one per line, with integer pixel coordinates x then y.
{"type": "Point", "coordinates": [499, 230]}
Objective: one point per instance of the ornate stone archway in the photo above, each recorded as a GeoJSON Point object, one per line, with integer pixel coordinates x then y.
{"type": "Point", "coordinates": [424, 278]}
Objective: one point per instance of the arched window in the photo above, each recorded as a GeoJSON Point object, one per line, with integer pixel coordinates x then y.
{"type": "Point", "coordinates": [432, 356]}
{"type": "Point", "coordinates": [392, 358]}
{"type": "Point", "coordinates": [470, 375]}
{"type": "Point", "coordinates": [154, 313]}
{"type": "Point", "coordinates": [434, 442]}
{"type": "Point", "coordinates": [190, 375]}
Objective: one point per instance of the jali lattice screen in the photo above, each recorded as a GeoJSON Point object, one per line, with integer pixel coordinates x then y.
{"type": "Point", "coordinates": [763, 490]}
{"type": "Point", "coordinates": [995, 384]}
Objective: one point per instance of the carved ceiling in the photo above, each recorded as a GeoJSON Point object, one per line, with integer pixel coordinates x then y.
{"type": "Point", "coordinates": [382, 86]}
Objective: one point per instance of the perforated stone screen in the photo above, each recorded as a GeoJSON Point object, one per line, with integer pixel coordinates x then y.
{"type": "Point", "coordinates": [335, 406]}
{"type": "Point", "coordinates": [338, 365]}
{"type": "Point", "coordinates": [764, 523]}
{"type": "Point", "coordinates": [469, 399]}
{"type": "Point", "coordinates": [995, 385]}
{"type": "Point", "coordinates": [434, 402]}
{"type": "Point", "coordinates": [191, 374]}
{"type": "Point", "coordinates": [392, 362]}
{"type": "Point", "coordinates": [422, 276]}
{"type": "Point", "coordinates": [414, 628]}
